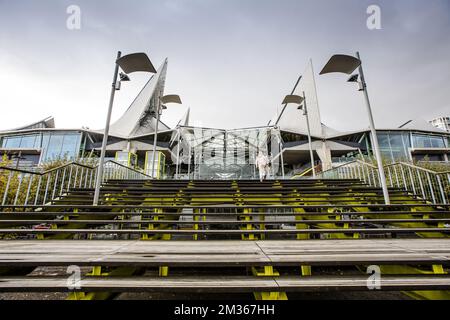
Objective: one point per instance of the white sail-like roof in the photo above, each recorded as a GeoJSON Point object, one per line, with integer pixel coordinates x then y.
{"type": "Point", "coordinates": [291, 119]}
{"type": "Point", "coordinates": [138, 119]}
{"type": "Point", "coordinates": [185, 120]}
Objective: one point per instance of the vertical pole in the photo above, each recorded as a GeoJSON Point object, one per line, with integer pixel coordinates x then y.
{"type": "Point", "coordinates": [309, 136]}
{"type": "Point", "coordinates": [444, 201]}
{"type": "Point", "coordinates": [20, 177]}
{"type": "Point", "coordinates": [55, 184]}
{"type": "Point", "coordinates": [37, 190]}
{"type": "Point", "coordinates": [28, 190]}
{"type": "Point", "coordinates": [5, 196]}
{"type": "Point", "coordinates": [62, 182]}
{"type": "Point", "coordinates": [98, 182]}
{"type": "Point", "coordinates": [419, 178]}
{"type": "Point", "coordinates": [403, 177]}
{"type": "Point", "coordinates": [282, 159]}
{"type": "Point", "coordinates": [412, 181]}
{"type": "Point", "coordinates": [155, 138]}
{"type": "Point", "coordinates": [178, 154]}
{"type": "Point", "coordinates": [199, 165]}
{"type": "Point", "coordinates": [430, 184]}
{"type": "Point", "coordinates": [376, 148]}
{"type": "Point", "coordinates": [189, 162]}
{"type": "Point", "coordinates": [46, 187]}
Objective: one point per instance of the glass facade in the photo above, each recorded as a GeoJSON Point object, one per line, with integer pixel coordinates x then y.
{"type": "Point", "coordinates": [53, 145]}
{"type": "Point", "coordinates": [427, 141]}
{"type": "Point", "coordinates": [205, 153]}
{"type": "Point", "coordinates": [158, 164]}
{"type": "Point", "coordinates": [396, 145]}
{"type": "Point", "coordinates": [224, 154]}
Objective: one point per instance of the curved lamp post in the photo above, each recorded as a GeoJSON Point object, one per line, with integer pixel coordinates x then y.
{"type": "Point", "coordinates": [301, 102]}
{"type": "Point", "coordinates": [170, 98]}
{"type": "Point", "coordinates": [130, 63]}
{"type": "Point", "coordinates": [347, 64]}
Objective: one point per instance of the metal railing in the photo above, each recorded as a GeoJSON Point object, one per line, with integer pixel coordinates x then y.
{"type": "Point", "coordinates": [306, 171]}
{"type": "Point", "coordinates": [24, 187]}
{"type": "Point", "coordinates": [427, 184]}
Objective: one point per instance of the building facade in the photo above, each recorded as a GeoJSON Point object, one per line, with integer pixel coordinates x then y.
{"type": "Point", "coordinates": [214, 153]}
{"type": "Point", "coordinates": [442, 123]}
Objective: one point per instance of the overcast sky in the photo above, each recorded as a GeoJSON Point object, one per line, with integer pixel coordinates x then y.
{"type": "Point", "coordinates": [231, 61]}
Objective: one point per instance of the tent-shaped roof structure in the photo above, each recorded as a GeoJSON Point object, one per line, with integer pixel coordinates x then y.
{"type": "Point", "coordinates": [48, 122]}
{"type": "Point", "coordinates": [139, 119]}
{"type": "Point", "coordinates": [292, 119]}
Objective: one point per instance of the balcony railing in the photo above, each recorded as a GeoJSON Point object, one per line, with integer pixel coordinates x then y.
{"type": "Point", "coordinates": [429, 185]}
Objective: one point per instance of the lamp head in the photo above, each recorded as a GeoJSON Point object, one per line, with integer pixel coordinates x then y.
{"type": "Point", "coordinates": [292, 98]}
{"type": "Point", "coordinates": [341, 63]}
{"type": "Point", "coordinates": [136, 62]}
{"type": "Point", "coordinates": [170, 98]}
{"type": "Point", "coordinates": [124, 77]}
{"type": "Point", "coordinates": [353, 78]}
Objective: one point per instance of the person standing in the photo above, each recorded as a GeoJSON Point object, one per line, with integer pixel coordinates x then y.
{"type": "Point", "coordinates": [262, 162]}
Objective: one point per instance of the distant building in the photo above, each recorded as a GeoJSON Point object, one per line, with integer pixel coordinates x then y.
{"type": "Point", "coordinates": [441, 123]}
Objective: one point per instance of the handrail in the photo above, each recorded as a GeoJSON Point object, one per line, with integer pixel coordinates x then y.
{"type": "Point", "coordinates": [387, 165]}
{"type": "Point", "coordinates": [431, 186]}
{"type": "Point", "coordinates": [416, 167]}
{"type": "Point", "coordinates": [350, 162]}
{"type": "Point", "coordinates": [67, 165]}
{"type": "Point", "coordinates": [304, 172]}
{"type": "Point", "coordinates": [28, 187]}
{"type": "Point", "coordinates": [47, 171]}
{"type": "Point", "coordinates": [124, 166]}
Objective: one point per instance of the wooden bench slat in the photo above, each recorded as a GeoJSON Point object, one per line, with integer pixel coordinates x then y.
{"type": "Point", "coordinates": [227, 231]}
{"type": "Point", "coordinates": [219, 253]}
{"type": "Point", "coordinates": [223, 284]}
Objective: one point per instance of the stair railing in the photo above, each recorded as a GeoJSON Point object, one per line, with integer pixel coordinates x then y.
{"type": "Point", "coordinates": [427, 184]}
{"type": "Point", "coordinates": [25, 187]}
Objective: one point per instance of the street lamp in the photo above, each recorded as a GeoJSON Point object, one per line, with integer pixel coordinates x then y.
{"type": "Point", "coordinates": [130, 63]}
{"type": "Point", "coordinates": [161, 105]}
{"type": "Point", "coordinates": [348, 64]}
{"type": "Point", "coordinates": [301, 102]}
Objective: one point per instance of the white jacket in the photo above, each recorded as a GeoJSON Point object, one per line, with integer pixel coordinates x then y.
{"type": "Point", "coordinates": [262, 160]}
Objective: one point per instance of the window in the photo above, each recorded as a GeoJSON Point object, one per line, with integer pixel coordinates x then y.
{"type": "Point", "coordinates": [11, 142]}
{"type": "Point", "coordinates": [394, 145]}
{"type": "Point", "coordinates": [70, 146]}
{"type": "Point", "coordinates": [437, 142]}
{"type": "Point", "coordinates": [428, 141]}
{"type": "Point", "coordinates": [54, 145]}
{"type": "Point", "coordinates": [30, 141]}
{"type": "Point", "coordinates": [60, 145]}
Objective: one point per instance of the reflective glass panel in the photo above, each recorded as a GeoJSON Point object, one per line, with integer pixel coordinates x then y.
{"type": "Point", "coordinates": [224, 154]}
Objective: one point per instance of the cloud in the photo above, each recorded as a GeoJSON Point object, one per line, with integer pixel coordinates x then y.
{"type": "Point", "coordinates": [231, 61]}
